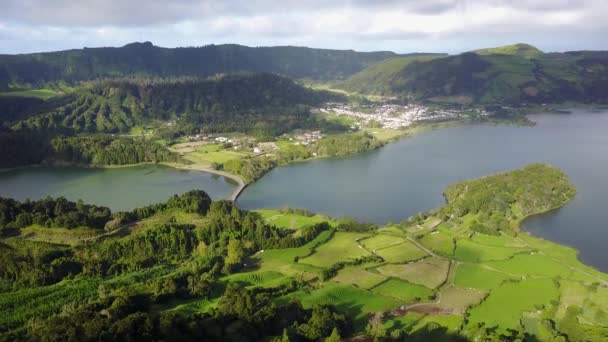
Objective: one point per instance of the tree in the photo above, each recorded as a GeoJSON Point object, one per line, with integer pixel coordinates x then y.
{"type": "Point", "coordinates": [334, 337]}
{"type": "Point", "coordinates": [235, 255]}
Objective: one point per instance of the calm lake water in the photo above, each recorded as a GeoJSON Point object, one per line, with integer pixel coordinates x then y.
{"type": "Point", "coordinates": [409, 176]}
{"type": "Point", "coordinates": [119, 189]}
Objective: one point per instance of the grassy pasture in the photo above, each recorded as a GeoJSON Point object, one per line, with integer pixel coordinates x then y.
{"type": "Point", "coordinates": [59, 235]}
{"type": "Point", "coordinates": [358, 277]}
{"type": "Point", "coordinates": [506, 304]}
{"type": "Point", "coordinates": [459, 299]}
{"type": "Point", "coordinates": [439, 242]}
{"type": "Point", "coordinates": [342, 247]}
{"type": "Point", "coordinates": [282, 260]}
{"type": "Point", "coordinates": [536, 265]}
{"type": "Point", "coordinates": [467, 250]}
{"type": "Point", "coordinates": [403, 252]}
{"type": "Point", "coordinates": [498, 241]}
{"type": "Point", "coordinates": [354, 302]}
{"type": "Point", "coordinates": [380, 241]}
{"type": "Point", "coordinates": [429, 272]}
{"type": "Point", "coordinates": [290, 221]}
{"type": "Point", "coordinates": [265, 279]}
{"type": "Point", "coordinates": [450, 322]}
{"type": "Point", "coordinates": [43, 94]}
{"type": "Point", "coordinates": [478, 276]}
{"type": "Point", "coordinates": [403, 291]}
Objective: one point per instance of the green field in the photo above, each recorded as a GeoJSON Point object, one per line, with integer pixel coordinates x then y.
{"type": "Point", "coordinates": [479, 276]}
{"type": "Point", "coordinates": [439, 242]}
{"type": "Point", "coordinates": [291, 221]}
{"type": "Point", "coordinates": [265, 279]}
{"type": "Point", "coordinates": [537, 265]}
{"type": "Point", "coordinates": [429, 272]}
{"type": "Point", "coordinates": [43, 94]}
{"type": "Point", "coordinates": [380, 241]}
{"type": "Point", "coordinates": [458, 299]}
{"type": "Point", "coordinates": [342, 247]}
{"type": "Point", "coordinates": [358, 277]}
{"type": "Point", "coordinates": [403, 291]}
{"type": "Point", "coordinates": [355, 302]}
{"type": "Point", "coordinates": [467, 250]}
{"type": "Point", "coordinates": [506, 304]}
{"type": "Point", "coordinates": [403, 252]}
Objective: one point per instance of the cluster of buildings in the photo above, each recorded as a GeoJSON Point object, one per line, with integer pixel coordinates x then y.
{"type": "Point", "coordinates": [307, 137]}
{"type": "Point", "coordinates": [392, 116]}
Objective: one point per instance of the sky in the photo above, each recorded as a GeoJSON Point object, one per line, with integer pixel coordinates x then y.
{"type": "Point", "coordinates": [402, 26]}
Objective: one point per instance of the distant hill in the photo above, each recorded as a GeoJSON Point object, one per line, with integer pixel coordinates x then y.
{"type": "Point", "coordinates": [379, 78]}
{"type": "Point", "coordinates": [245, 102]}
{"type": "Point", "coordinates": [147, 59]}
{"type": "Point", "coordinates": [513, 74]}
{"type": "Point", "coordinates": [521, 50]}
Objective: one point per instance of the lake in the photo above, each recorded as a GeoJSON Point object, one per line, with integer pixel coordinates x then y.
{"type": "Point", "coordinates": [409, 176]}
{"type": "Point", "coordinates": [117, 188]}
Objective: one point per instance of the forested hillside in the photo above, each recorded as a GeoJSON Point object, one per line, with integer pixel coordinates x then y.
{"type": "Point", "coordinates": [228, 103]}
{"type": "Point", "coordinates": [147, 59]}
{"type": "Point", "coordinates": [511, 75]}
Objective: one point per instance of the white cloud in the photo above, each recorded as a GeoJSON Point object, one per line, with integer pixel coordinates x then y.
{"type": "Point", "coordinates": [400, 25]}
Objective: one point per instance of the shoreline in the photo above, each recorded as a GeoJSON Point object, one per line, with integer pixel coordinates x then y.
{"type": "Point", "coordinates": [235, 194]}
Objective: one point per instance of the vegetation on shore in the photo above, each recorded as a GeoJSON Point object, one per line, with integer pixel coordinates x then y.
{"type": "Point", "coordinates": [194, 268]}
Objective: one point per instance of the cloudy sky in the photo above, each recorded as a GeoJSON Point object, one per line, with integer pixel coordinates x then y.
{"type": "Point", "coordinates": [397, 25]}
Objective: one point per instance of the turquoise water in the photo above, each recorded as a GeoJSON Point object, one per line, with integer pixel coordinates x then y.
{"type": "Point", "coordinates": [409, 176]}
{"type": "Point", "coordinates": [119, 189]}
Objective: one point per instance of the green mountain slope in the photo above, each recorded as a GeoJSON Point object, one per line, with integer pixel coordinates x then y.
{"type": "Point", "coordinates": [147, 59]}
{"type": "Point", "coordinates": [378, 78]}
{"type": "Point", "coordinates": [510, 75]}
{"type": "Point", "coordinates": [230, 103]}
{"type": "Point", "coordinates": [522, 50]}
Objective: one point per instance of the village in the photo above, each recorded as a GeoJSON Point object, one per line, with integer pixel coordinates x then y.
{"type": "Point", "coordinates": [393, 116]}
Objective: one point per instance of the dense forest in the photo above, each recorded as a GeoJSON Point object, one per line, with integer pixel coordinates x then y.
{"type": "Point", "coordinates": [147, 59]}
{"type": "Point", "coordinates": [509, 75]}
{"type": "Point", "coordinates": [32, 147]}
{"type": "Point", "coordinates": [256, 103]}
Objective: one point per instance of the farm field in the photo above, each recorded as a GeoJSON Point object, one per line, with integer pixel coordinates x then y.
{"type": "Point", "coordinates": [506, 304]}
{"type": "Point", "coordinates": [403, 291]}
{"type": "Point", "coordinates": [358, 277]}
{"type": "Point", "coordinates": [291, 221]}
{"type": "Point", "coordinates": [439, 242]}
{"type": "Point", "coordinates": [403, 252]}
{"type": "Point", "coordinates": [342, 247]}
{"type": "Point", "coordinates": [380, 241]}
{"type": "Point", "coordinates": [479, 276]}
{"type": "Point", "coordinates": [467, 250]}
{"type": "Point", "coordinates": [429, 272]}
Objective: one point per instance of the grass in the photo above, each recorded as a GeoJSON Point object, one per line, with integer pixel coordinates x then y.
{"type": "Point", "coordinates": [467, 250]}
{"type": "Point", "coordinates": [458, 299]}
{"type": "Point", "coordinates": [439, 242]}
{"type": "Point", "coordinates": [358, 277]}
{"type": "Point", "coordinates": [385, 134]}
{"type": "Point", "coordinates": [342, 247]}
{"type": "Point", "coordinates": [59, 235]}
{"type": "Point", "coordinates": [352, 301]}
{"type": "Point", "coordinates": [380, 241]}
{"type": "Point", "coordinates": [403, 291]}
{"type": "Point", "coordinates": [497, 241]}
{"type": "Point", "coordinates": [478, 276]}
{"type": "Point", "coordinates": [265, 279]}
{"type": "Point", "coordinates": [506, 304]}
{"type": "Point", "coordinates": [43, 94]}
{"type": "Point", "coordinates": [403, 252]}
{"type": "Point", "coordinates": [291, 221]}
{"type": "Point", "coordinates": [536, 265]}
{"type": "Point", "coordinates": [282, 260]}
{"type": "Point", "coordinates": [429, 272]}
